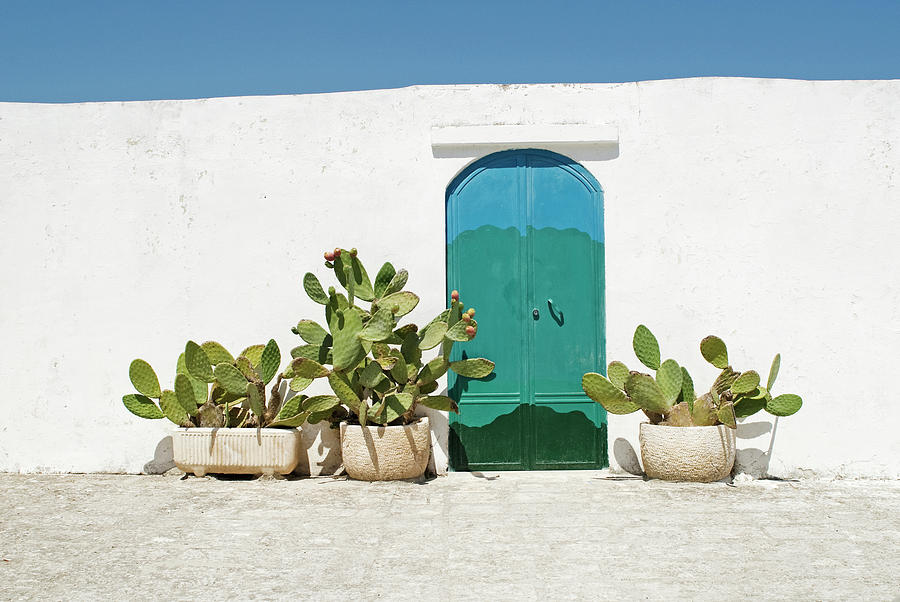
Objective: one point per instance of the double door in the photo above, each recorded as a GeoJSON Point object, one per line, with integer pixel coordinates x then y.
{"type": "Point", "coordinates": [525, 249]}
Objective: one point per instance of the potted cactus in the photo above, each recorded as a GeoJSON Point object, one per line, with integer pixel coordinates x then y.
{"type": "Point", "coordinates": [227, 422]}
{"type": "Point", "coordinates": [703, 448]}
{"type": "Point", "coordinates": [375, 367]}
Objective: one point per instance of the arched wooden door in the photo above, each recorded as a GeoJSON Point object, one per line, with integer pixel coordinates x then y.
{"type": "Point", "coordinates": [525, 249]}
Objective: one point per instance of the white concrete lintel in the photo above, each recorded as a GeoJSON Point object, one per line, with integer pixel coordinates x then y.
{"type": "Point", "coordinates": [520, 136]}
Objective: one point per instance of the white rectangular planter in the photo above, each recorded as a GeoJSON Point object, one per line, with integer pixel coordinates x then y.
{"type": "Point", "coordinates": [236, 450]}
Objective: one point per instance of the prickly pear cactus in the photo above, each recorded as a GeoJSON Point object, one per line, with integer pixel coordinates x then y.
{"type": "Point", "coordinates": [741, 393]}
{"type": "Point", "coordinates": [215, 389]}
{"type": "Point", "coordinates": [375, 366]}
{"type": "Point", "coordinates": [623, 391]}
{"type": "Point", "coordinates": [669, 398]}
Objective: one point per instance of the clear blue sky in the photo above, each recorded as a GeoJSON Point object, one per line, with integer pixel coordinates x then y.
{"type": "Point", "coordinates": [65, 51]}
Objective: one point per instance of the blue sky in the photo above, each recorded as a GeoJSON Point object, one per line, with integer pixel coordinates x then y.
{"type": "Point", "coordinates": [68, 51]}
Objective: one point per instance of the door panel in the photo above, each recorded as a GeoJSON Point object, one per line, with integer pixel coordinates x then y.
{"type": "Point", "coordinates": [564, 237]}
{"type": "Point", "coordinates": [485, 248]}
{"type": "Point", "coordinates": [525, 228]}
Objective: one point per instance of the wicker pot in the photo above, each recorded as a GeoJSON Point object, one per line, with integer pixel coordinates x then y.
{"type": "Point", "coordinates": [687, 453]}
{"type": "Point", "coordinates": [386, 453]}
{"type": "Point", "coordinates": [236, 450]}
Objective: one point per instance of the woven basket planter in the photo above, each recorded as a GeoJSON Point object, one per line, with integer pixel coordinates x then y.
{"type": "Point", "coordinates": [386, 453]}
{"type": "Point", "coordinates": [687, 453]}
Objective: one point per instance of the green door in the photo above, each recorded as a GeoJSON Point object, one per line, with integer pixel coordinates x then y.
{"type": "Point", "coordinates": [525, 249]}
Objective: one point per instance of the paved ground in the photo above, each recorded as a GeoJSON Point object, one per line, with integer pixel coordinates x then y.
{"type": "Point", "coordinates": [553, 536]}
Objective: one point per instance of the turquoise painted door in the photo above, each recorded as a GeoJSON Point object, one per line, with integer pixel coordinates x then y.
{"type": "Point", "coordinates": [525, 249]}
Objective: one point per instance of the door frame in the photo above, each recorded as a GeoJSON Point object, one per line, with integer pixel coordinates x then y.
{"type": "Point", "coordinates": [587, 179]}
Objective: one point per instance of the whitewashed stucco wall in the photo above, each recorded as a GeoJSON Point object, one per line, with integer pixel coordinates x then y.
{"type": "Point", "coordinates": [764, 211]}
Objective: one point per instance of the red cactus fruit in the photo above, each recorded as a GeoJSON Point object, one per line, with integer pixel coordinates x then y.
{"type": "Point", "coordinates": [455, 295]}
{"type": "Point", "coordinates": [466, 318]}
{"type": "Point", "coordinates": [470, 330]}
{"type": "Point", "coordinates": [329, 256]}
{"type": "Point", "coordinates": [337, 251]}
{"type": "Point", "coordinates": [353, 252]}
{"type": "Point", "coordinates": [471, 312]}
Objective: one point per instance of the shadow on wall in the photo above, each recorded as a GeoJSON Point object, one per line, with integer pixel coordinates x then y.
{"type": "Point", "coordinates": [320, 450]}
{"type": "Point", "coordinates": [163, 458]}
{"type": "Point", "coordinates": [564, 438]}
{"type": "Point", "coordinates": [752, 461]}
{"type": "Point", "coordinates": [440, 426]}
{"type": "Point", "coordinates": [626, 457]}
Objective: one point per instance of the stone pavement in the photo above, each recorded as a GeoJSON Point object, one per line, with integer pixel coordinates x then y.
{"type": "Point", "coordinates": [497, 536]}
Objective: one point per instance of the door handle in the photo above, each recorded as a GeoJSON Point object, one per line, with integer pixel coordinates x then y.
{"type": "Point", "coordinates": [535, 313]}
{"type": "Point", "coordinates": [555, 312]}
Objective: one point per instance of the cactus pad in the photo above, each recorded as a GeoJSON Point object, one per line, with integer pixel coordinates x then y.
{"type": "Point", "coordinates": [784, 405]}
{"type": "Point", "coordinates": [404, 301]}
{"type": "Point", "coordinates": [646, 347]}
{"type": "Point", "coordinates": [439, 402]}
{"type": "Point", "coordinates": [362, 286]}
{"type": "Point", "coordinates": [320, 403]}
{"type": "Point", "coordinates": [773, 371]}
{"type": "Point", "coordinates": [433, 370]}
{"type": "Point", "coordinates": [457, 332]}
{"type": "Point", "coordinates": [478, 367]}
{"type": "Point", "coordinates": [291, 421]}
{"type": "Point", "coordinates": [393, 407]}
{"type": "Point", "coordinates": [607, 394]}
{"type": "Point", "coordinates": [341, 387]}
{"type": "Point", "coordinates": [725, 379]}
{"type": "Point", "coordinates": [745, 383]}
{"type": "Point", "coordinates": [714, 351]}
{"type": "Point", "coordinates": [269, 361]}
{"type": "Point", "coordinates": [747, 406]}
{"type": "Point", "coordinates": [314, 289]}
{"type": "Point", "coordinates": [243, 364]}
{"type": "Point", "coordinates": [726, 415]}
{"type": "Point", "coordinates": [197, 362]}
{"type": "Point", "coordinates": [168, 403]}
{"type": "Point", "coordinates": [254, 354]}
{"type": "Point", "coordinates": [680, 415]}
{"type": "Point", "coordinates": [383, 279]}
{"type": "Point", "coordinates": [216, 353]}
{"type": "Point", "coordinates": [211, 416]}
{"type": "Point", "coordinates": [144, 379]}
{"type": "Point", "coordinates": [395, 285]}
{"type": "Point", "coordinates": [704, 412]}
{"type": "Point", "coordinates": [617, 372]}
{"type": "Point", "coordinates": [433, 335]}
{"type": "Point", "coordinates": [687, 388]}
{"type": "Point", "coordinates": [322, 355]}
{"type": "Point", "coordinates": [143, 406]}
{"type": "Point", "coordinates": [231, 379]}
{"type": "Point", "coordinates": [307, 368]}
{"type": "Point", "coordinates": [256, 395]}
{"type": "Point", "coordinates": [299, 383]}
{"type": "Point", "coordinates": [669, 378]}
{"type": "Point", "coordinates": [201, 389]}
{"type": "Point", "coordinates": [311, 332]}
{"type": "Point", "coordinates": [371, 376]}
{"type": "Point", "coordinates": [399, 372]}
{"type": "Point", "coordinates": [644, 391]}
{"type": "Point", "coordinates": [345, 328]}
{"type": "Point", "coordinates": [379, 327]}
{"type": "Point", "coordinates": [184, 392]}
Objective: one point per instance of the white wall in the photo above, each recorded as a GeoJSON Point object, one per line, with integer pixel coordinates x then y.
{"type": "Point", "coordinates": [764, 211]}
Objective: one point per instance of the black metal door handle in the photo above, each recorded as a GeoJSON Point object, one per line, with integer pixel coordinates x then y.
{"type": "Point", "coordinates": [535, 313]}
